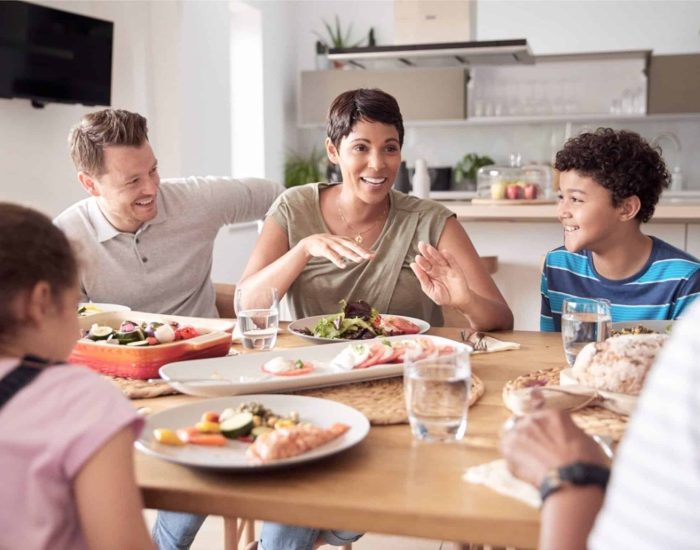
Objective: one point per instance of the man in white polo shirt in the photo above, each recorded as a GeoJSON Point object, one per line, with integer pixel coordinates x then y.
{"type": "Point", "coordinates": [142, 244]}
{"type": "Point", "coordinates": [146, 245]}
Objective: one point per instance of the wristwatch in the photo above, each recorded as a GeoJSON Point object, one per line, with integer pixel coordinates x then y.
{"type": "Point", "coordinates": [577, 473]}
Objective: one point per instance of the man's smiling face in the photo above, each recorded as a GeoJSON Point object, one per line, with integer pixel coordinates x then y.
{"type": "Point", "coordinates": [127, 190]}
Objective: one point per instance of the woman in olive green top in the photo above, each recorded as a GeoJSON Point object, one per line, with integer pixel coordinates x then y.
{"type": "Point", "coordinates": [362, 240]}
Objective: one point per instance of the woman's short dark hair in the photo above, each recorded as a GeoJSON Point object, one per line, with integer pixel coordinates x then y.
{"type": "Point", "coordinates": [622, 162]}
{"type": "Point", "coordinates": [369, 104]}
{"type": "Point", "coordinates": [32, 249]}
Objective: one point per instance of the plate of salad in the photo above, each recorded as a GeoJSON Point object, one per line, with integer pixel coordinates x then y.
{"type": "Point", "coordinates": [355, 321]}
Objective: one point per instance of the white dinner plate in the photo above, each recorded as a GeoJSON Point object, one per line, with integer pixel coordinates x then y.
{"type": "Point", "coordinates": [297, 327]}
{"type": "Point", "coordinates": [661, 326]}
{"type": "Point", "coordinates": [97, 307]}
{"type": "Point", "coordinates": [320, 412]}
{"type": "Point", "coordinates": [243, 374]}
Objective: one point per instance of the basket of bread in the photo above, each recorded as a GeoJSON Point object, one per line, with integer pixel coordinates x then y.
{"type": "Point", "coordinates": [602, 385]}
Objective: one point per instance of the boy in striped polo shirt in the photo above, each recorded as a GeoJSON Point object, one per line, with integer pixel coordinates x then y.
{"type": "Point", "coordinates": [609, 185]}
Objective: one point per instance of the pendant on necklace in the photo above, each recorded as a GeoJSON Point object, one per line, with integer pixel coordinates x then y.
{"type": "Point", "coordinates": [358, 239]}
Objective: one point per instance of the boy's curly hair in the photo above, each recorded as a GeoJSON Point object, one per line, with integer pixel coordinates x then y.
{"type": "Point", "coordinates": [622, 162]}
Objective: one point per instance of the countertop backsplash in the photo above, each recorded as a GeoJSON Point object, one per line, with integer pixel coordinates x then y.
{"type": "Point", "coordinates": [444, 144]}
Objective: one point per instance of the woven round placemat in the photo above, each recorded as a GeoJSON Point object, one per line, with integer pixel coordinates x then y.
{"type": "Point", "coordinates": [593, 420]}
{"type": "Point", "coordinates": [381, 401]}
{"type": "Point", "coordinates": [140, 389]}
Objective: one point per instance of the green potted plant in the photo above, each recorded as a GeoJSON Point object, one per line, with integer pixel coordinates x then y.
{"type": "Point", "coordinates": [466, 169]}
{"type": "Point", "coordinates": [337, 38]}
{"type": "Point", "coordinates": [300, 169]}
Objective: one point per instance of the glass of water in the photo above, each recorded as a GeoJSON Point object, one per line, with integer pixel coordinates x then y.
{"type": "Point", "coordinates": [437, 396]}
{"type": "Point", "coordinates": [257, 313]}
{"type": "Point", "coordinates": [583, 321]}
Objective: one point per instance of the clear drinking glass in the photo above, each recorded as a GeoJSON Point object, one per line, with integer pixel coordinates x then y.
{"type": "Point", "coordinates": [583, 321]}
{"type": "Point", "coordinates": [257, 313]}
{"type": "Point", "coordinates": [437, 396]}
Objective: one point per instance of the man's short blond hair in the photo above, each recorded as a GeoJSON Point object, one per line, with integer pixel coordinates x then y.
{"type": "Point", "coordinates": [101, 129]}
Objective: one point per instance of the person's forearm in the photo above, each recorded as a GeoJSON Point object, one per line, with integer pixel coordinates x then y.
{"type": "Point", "coordinates": [487, 314]}
{"type": "Point", "coordinates": [567, 517]}
{"type": "Point", "coordinates": [281, 273]}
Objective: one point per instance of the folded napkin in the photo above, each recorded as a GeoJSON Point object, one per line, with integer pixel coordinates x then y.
{"type": "Point", "coordinates": [495, 475]}
{"type": "Point", "coordinates": [569, 398]}
{"type": "Point", "coordinates": [491, 344]}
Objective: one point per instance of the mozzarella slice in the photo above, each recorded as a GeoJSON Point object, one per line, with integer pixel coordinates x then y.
{"type": "Point", "coordinates": [351, 356]}
{"type": "Point", "coordinates": [279, 364]}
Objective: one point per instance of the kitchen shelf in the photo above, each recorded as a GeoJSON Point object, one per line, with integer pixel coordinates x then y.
{"type": "Point", "coordinates": [487, 52]}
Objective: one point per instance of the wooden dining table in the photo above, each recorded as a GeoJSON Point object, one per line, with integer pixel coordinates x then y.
{"type": "Point", "coordinates": [388, 483]}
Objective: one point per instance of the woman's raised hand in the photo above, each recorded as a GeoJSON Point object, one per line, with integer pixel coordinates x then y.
{"type": "Point", "coordinates": [440, 277]}
{"type": "Point", "coordinates": [335, 248]}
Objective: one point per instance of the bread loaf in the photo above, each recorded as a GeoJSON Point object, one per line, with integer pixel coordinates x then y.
{"type": "Point", "coordinates": [619, 364]}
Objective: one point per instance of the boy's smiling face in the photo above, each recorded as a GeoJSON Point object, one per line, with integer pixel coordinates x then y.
{"type": "Point", "coordinates": [587, 213]}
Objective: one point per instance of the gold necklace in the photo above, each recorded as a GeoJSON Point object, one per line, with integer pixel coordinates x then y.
{"type": "Point", "coordinates": [358, 238]}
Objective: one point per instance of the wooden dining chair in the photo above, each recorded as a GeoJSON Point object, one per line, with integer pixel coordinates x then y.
{"type": "Point", "coordinates": [224, 300]}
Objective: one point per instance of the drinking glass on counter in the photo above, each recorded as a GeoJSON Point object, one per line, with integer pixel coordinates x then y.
{"type": "Point", "coordinates": [437, 396]}
{"type": "Point", "coordinates": [257, 313]}
{"type": "Point", "coordinates": [584, 321]}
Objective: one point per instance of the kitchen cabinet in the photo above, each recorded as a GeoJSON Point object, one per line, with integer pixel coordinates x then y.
{"type": "Point", "coordinates": [674, 84]}
{"type": "Point", "coordinates": [490, 84]}
{"type": "Point", "coordinates": [423, 94]}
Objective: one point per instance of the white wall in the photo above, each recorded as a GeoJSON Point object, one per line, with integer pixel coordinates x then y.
{"type": "Point", "coordinates": [169, 63]}
{"type": "Point", "coordinates": [572, 26]}
{"type": "Point", "coordinates": [35, 168]}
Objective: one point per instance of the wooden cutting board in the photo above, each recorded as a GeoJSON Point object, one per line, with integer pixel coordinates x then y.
{"type": "Point", "coordinates": [513, 202]}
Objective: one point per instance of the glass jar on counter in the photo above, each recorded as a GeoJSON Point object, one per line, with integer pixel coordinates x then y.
{"type": "Point", "coordinates": [529, 182]}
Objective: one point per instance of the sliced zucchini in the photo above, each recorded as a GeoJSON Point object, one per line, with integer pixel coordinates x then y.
{"type": "Point", "coordinates": [238, 425]}
{"type": "Point", "coordinates": [133, 336]}
{"type": "Point", "coordinates": [98, 332]}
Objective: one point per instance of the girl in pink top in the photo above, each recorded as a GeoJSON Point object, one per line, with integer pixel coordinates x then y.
{"type": "Point", "coordinates": [66, 435]}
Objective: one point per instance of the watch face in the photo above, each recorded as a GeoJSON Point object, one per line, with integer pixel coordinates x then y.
{"type": "Point", "coordinates": [578, 473]}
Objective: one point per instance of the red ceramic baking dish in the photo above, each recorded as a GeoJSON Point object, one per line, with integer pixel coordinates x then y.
{"type": "Point", "coordinates": [143, 362]}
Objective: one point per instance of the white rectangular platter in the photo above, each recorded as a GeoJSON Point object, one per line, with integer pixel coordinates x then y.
{"type": "Point", "coordinates": [242, 374]}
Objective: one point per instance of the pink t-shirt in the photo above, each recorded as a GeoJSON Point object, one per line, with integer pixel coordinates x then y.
{"type": "Point", "coordinates": [48, 431]}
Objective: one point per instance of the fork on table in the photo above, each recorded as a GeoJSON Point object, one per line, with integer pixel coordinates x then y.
{"type": "Point", "coordinates": [474, 339]}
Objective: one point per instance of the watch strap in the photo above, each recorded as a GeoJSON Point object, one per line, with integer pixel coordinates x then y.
{"type": "Point", "coordinates": [576, 473]}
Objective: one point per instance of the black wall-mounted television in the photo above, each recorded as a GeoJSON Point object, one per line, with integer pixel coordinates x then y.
{"type": "Point", "coordinates": [49, 55]}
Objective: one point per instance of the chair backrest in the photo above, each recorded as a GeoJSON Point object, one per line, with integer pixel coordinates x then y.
{"type": "Point", "coordinates": [225, 293]}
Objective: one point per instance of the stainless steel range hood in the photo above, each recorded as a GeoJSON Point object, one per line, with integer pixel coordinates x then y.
{"type": "Point", "coordinates": [487, 52]}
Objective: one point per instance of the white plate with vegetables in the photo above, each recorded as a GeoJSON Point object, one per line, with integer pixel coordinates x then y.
{"type": "Point", "coordinates": [232, 456]}
{"type": "Point", "coordinates": [354, 322]}
{"type": "Point", "coordinates": [302, 327]}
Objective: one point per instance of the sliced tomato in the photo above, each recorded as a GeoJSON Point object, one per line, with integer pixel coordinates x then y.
{"type": "Point", "coordinates": [445, 350]}
{"type": "Point", "coordinates": [399, 325]}
{"type": "Point", "coordinates": [307, 368]}
{"type": "Point", "coordinates": [392, 353]}
{"type": "Point", "coordinates": [376, 352]}
{"type": "Point", "coordinates": [188, 332]}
